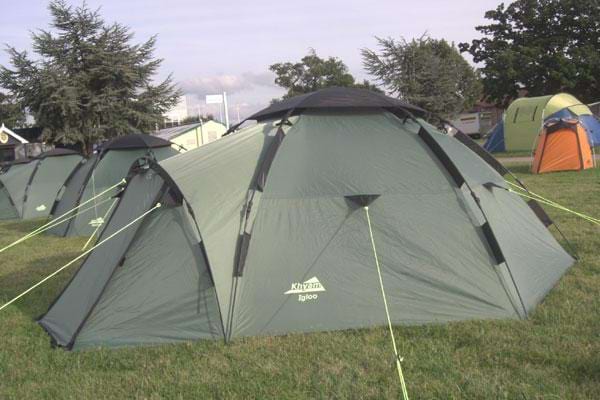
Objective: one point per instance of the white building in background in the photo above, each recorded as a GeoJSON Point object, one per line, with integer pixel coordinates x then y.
{"type": "Point", "coordinates": [194, 135]}
{"type": "Point", "coordinates": [179, 112]}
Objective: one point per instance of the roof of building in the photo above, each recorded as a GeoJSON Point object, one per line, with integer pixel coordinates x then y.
{"type": "Point", "coordinates": [173, 132]}
{"type": "Point", "coordinates": [9, 132]}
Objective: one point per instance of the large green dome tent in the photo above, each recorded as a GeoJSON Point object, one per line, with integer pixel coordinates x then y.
{"type": "Point", "coordinates": [524, 118]}
{"type": "Point", "coordinates": [264, 232]}
{"type": "Point", "coordinates": [101, 171]}
{"type": "Point", "coordinates": [29, 187]}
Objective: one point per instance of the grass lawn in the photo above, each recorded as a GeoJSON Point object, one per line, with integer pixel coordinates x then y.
{"type": "Point", "coordinates": [555, 354]}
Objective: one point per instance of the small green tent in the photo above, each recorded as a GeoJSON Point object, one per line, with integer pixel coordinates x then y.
{"type": "Point", "coordinates": [29, 187]}
{"type": "Point", "coordinates": [264, 232]}
{"type": "Point", "coordinates": [100, 172]}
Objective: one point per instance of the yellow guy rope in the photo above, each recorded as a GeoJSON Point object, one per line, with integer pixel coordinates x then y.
{"type": "Point", "coordinates": [59, 220]}
{"type": "Point", "coordinates": [387, 311]}
{"type": "Point", "coordinates": [52, 224]}
{"type": "Point", "coordinates": [537, 197]}
{"type": "Point", "coordinates": [80, 256]}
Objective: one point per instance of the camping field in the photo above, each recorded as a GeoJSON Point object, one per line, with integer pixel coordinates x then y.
{"type": "Point", "coordinates": [555, 354]}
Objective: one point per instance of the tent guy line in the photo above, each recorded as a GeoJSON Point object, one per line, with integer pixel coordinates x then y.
{"type": "Point", "coordinates": [551, 203]}
{"type": "Point", "coordinates": [387, 311]}
{"type": "Point", "coordinates": [63, 218]}
{"type": "Point", "coordinates": [79, 257]}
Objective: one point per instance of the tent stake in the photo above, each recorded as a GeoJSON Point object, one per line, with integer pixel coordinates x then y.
{"type": "Point", "coordinates": [387, 311]}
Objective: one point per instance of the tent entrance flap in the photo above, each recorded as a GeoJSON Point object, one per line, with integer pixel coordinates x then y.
{"type": "Point", "coordinates": [69, 311]}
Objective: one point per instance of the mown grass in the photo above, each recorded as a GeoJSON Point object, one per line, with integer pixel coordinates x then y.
{"type": "Point", "coordinates": [555, 354]}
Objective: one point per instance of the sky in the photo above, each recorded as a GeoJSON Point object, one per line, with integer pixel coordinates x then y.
{"type": "Point", "coordinates": [215, 46]}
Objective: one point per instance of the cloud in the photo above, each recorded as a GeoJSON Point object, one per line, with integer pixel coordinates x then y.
{"type": "Point", "coordinates": [231, 84]}
{"type": "Point", "coordinates": [247, 93]}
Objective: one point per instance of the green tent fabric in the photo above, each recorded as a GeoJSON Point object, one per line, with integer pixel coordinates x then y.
{"type": "Point", "coordinates": [99, 173]}
{"type": "Point", "coordinates": [28, 190]}
{"type": "Point", "coordinates": [260, 233]}
{"type": "Point", "coordinates": [524, 117]}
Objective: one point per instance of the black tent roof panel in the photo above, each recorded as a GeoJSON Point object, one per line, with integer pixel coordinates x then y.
{"type": "Point", "coordinates": [135, 141]}
{"type": "Point", "coordinates": [336, 97]}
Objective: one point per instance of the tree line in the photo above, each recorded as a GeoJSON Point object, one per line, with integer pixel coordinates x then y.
{"type": "Point", "coordinates": [89, 82]}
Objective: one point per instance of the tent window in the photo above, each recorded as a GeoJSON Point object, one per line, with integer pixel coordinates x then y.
{"type": "Point", "coordinates": [525, 114]}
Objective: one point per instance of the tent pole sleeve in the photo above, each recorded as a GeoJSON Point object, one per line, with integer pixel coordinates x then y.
{"type": "Point", "coordinates": [85, 182]}
{"type": "Point", "coordinates": [481, 152]}
{"type": "Point", "coordinates": [65, 183]}
{"type": "Point", "coordinates": [26, 195]}
{"type": "Point", "coordinates": [387, 311]}
{"type": "Point", "coordinates": [442, 157]}
{"type": "Point", "coordinates": [79, 257]}
{"type": "Point", "coordinates": [459, 179]}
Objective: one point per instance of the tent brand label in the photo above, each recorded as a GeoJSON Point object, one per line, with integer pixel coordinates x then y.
{"type": "Point", "coordinates": [306, 290]}
{"type": "Point", "coordinates": [97, 222]}
{"type": "Point", "coordinates": [41, 208]}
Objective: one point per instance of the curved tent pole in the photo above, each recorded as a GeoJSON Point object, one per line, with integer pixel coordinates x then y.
{"type": "Point", "coordinates": [10, 199]}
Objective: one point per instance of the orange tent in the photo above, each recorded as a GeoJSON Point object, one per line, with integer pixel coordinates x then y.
{"type": "Point", "coordinates": [562, 146]}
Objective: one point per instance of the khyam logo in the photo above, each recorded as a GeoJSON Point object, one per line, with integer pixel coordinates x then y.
{"type": "Point", "coordinates": [96, 222]}
{"type": "Point", "coordinates": [306, 290]}
{"type": "Point", "coordinates": [41, 208]}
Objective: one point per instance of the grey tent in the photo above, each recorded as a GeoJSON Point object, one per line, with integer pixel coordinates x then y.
{"type": "Point", "coordinates": [264, 233]}
{"type": "Point", "coordinates": [29, 187]}
{"type": "Point", "coordinates": [100, 172]}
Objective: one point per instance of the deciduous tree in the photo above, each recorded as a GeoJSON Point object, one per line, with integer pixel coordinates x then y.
{"type": "Point", "coordinates": [543, 46]}
{"type": "Point", "coordinates": [313, 73]}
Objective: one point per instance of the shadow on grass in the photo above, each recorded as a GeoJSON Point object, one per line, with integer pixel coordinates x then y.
{"type": "Point", "coordinates": [36, 302]}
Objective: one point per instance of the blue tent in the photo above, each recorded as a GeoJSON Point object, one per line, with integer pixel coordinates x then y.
{"type": "Point", "coordinates": [495, 141]}
{"type": "Point", "coordinates": [592, 126]}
